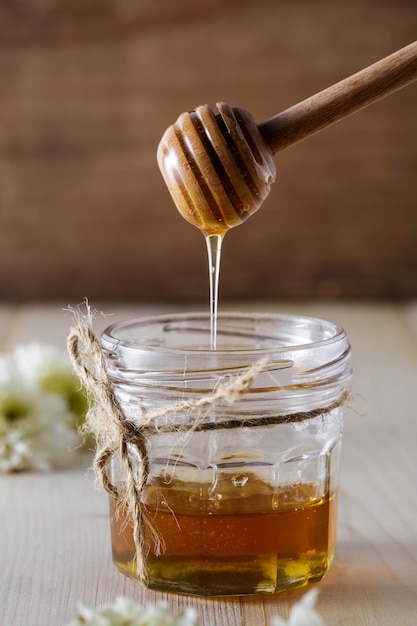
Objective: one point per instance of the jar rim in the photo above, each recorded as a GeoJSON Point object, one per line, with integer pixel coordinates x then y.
{"type": "Point", "coordinates": [304, 360]}
{"type": "Point", "coordinates": [327, 333]}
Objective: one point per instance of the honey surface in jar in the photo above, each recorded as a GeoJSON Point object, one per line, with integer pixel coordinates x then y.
{"type": "Point", "coordinates": [263, 540]}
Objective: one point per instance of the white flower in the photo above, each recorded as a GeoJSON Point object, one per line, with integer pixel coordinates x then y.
{"type": "Point", "coordinates": [36, 430]}
{"type": "Point", "coordinates": [49, 368]}
{"type": "Point", "coordinates": [302, 613]}
{"type": "Point", "coordinates": [41, 402]}
{"type": "Point", "coordinates": [125, 612]}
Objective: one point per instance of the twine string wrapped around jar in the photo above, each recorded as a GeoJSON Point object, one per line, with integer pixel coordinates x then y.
{"type": "Point", "coordinates": [114, 433]}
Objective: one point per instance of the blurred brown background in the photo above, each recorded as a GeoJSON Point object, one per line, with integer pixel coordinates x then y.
{"type": "Point", "coordinates": [89, 86]}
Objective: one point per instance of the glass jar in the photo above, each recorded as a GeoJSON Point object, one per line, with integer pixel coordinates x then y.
{"type": "Point", "coordinates": [243, 493]}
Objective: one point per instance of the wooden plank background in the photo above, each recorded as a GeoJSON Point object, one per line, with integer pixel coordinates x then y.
{"type": "Point", "coordinates": [87, 88]}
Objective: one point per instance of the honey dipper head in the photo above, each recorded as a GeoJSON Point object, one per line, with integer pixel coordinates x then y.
{"type": "Point", "coordinates": [217, 167]}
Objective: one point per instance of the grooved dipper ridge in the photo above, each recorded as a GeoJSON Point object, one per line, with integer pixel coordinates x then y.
{"type": "Point", "coordinates": [219, 166]}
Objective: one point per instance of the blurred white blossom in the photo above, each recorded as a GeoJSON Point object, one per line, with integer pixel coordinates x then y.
{"type": "Point", "coordinates": [49, 368]}
{"type": "Point", "coordinates": [126, 612]}
{"type": "Point", "coordinates": [41, 404]}
{"type": "Point", "coordinates": [302, 613]}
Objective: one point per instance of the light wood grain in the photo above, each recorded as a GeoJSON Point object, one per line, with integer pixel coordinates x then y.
{"type": "Point", "coordinates": [55, 543]}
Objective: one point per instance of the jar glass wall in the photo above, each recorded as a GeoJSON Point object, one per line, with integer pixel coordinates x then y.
{"type": "Point", "coordinates": [242, 493]}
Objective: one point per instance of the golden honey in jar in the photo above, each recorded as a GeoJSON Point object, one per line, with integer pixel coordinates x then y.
{"type": "Point", "coordinates": [246, 503]}
{"type": "Point", "coordinates": [246, 545]}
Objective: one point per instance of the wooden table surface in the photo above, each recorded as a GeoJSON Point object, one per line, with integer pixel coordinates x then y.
{"type": "Point", "coordinates": [54, 539]}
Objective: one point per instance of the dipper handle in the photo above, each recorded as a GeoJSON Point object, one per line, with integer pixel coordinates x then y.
{"type": "Point", "coordinates": [219, 166]}
{"type": "Point", "coordinates": [340, 100]}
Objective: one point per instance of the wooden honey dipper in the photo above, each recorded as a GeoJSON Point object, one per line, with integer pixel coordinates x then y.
{"type": "Point", "coordinates": [219, 168]}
